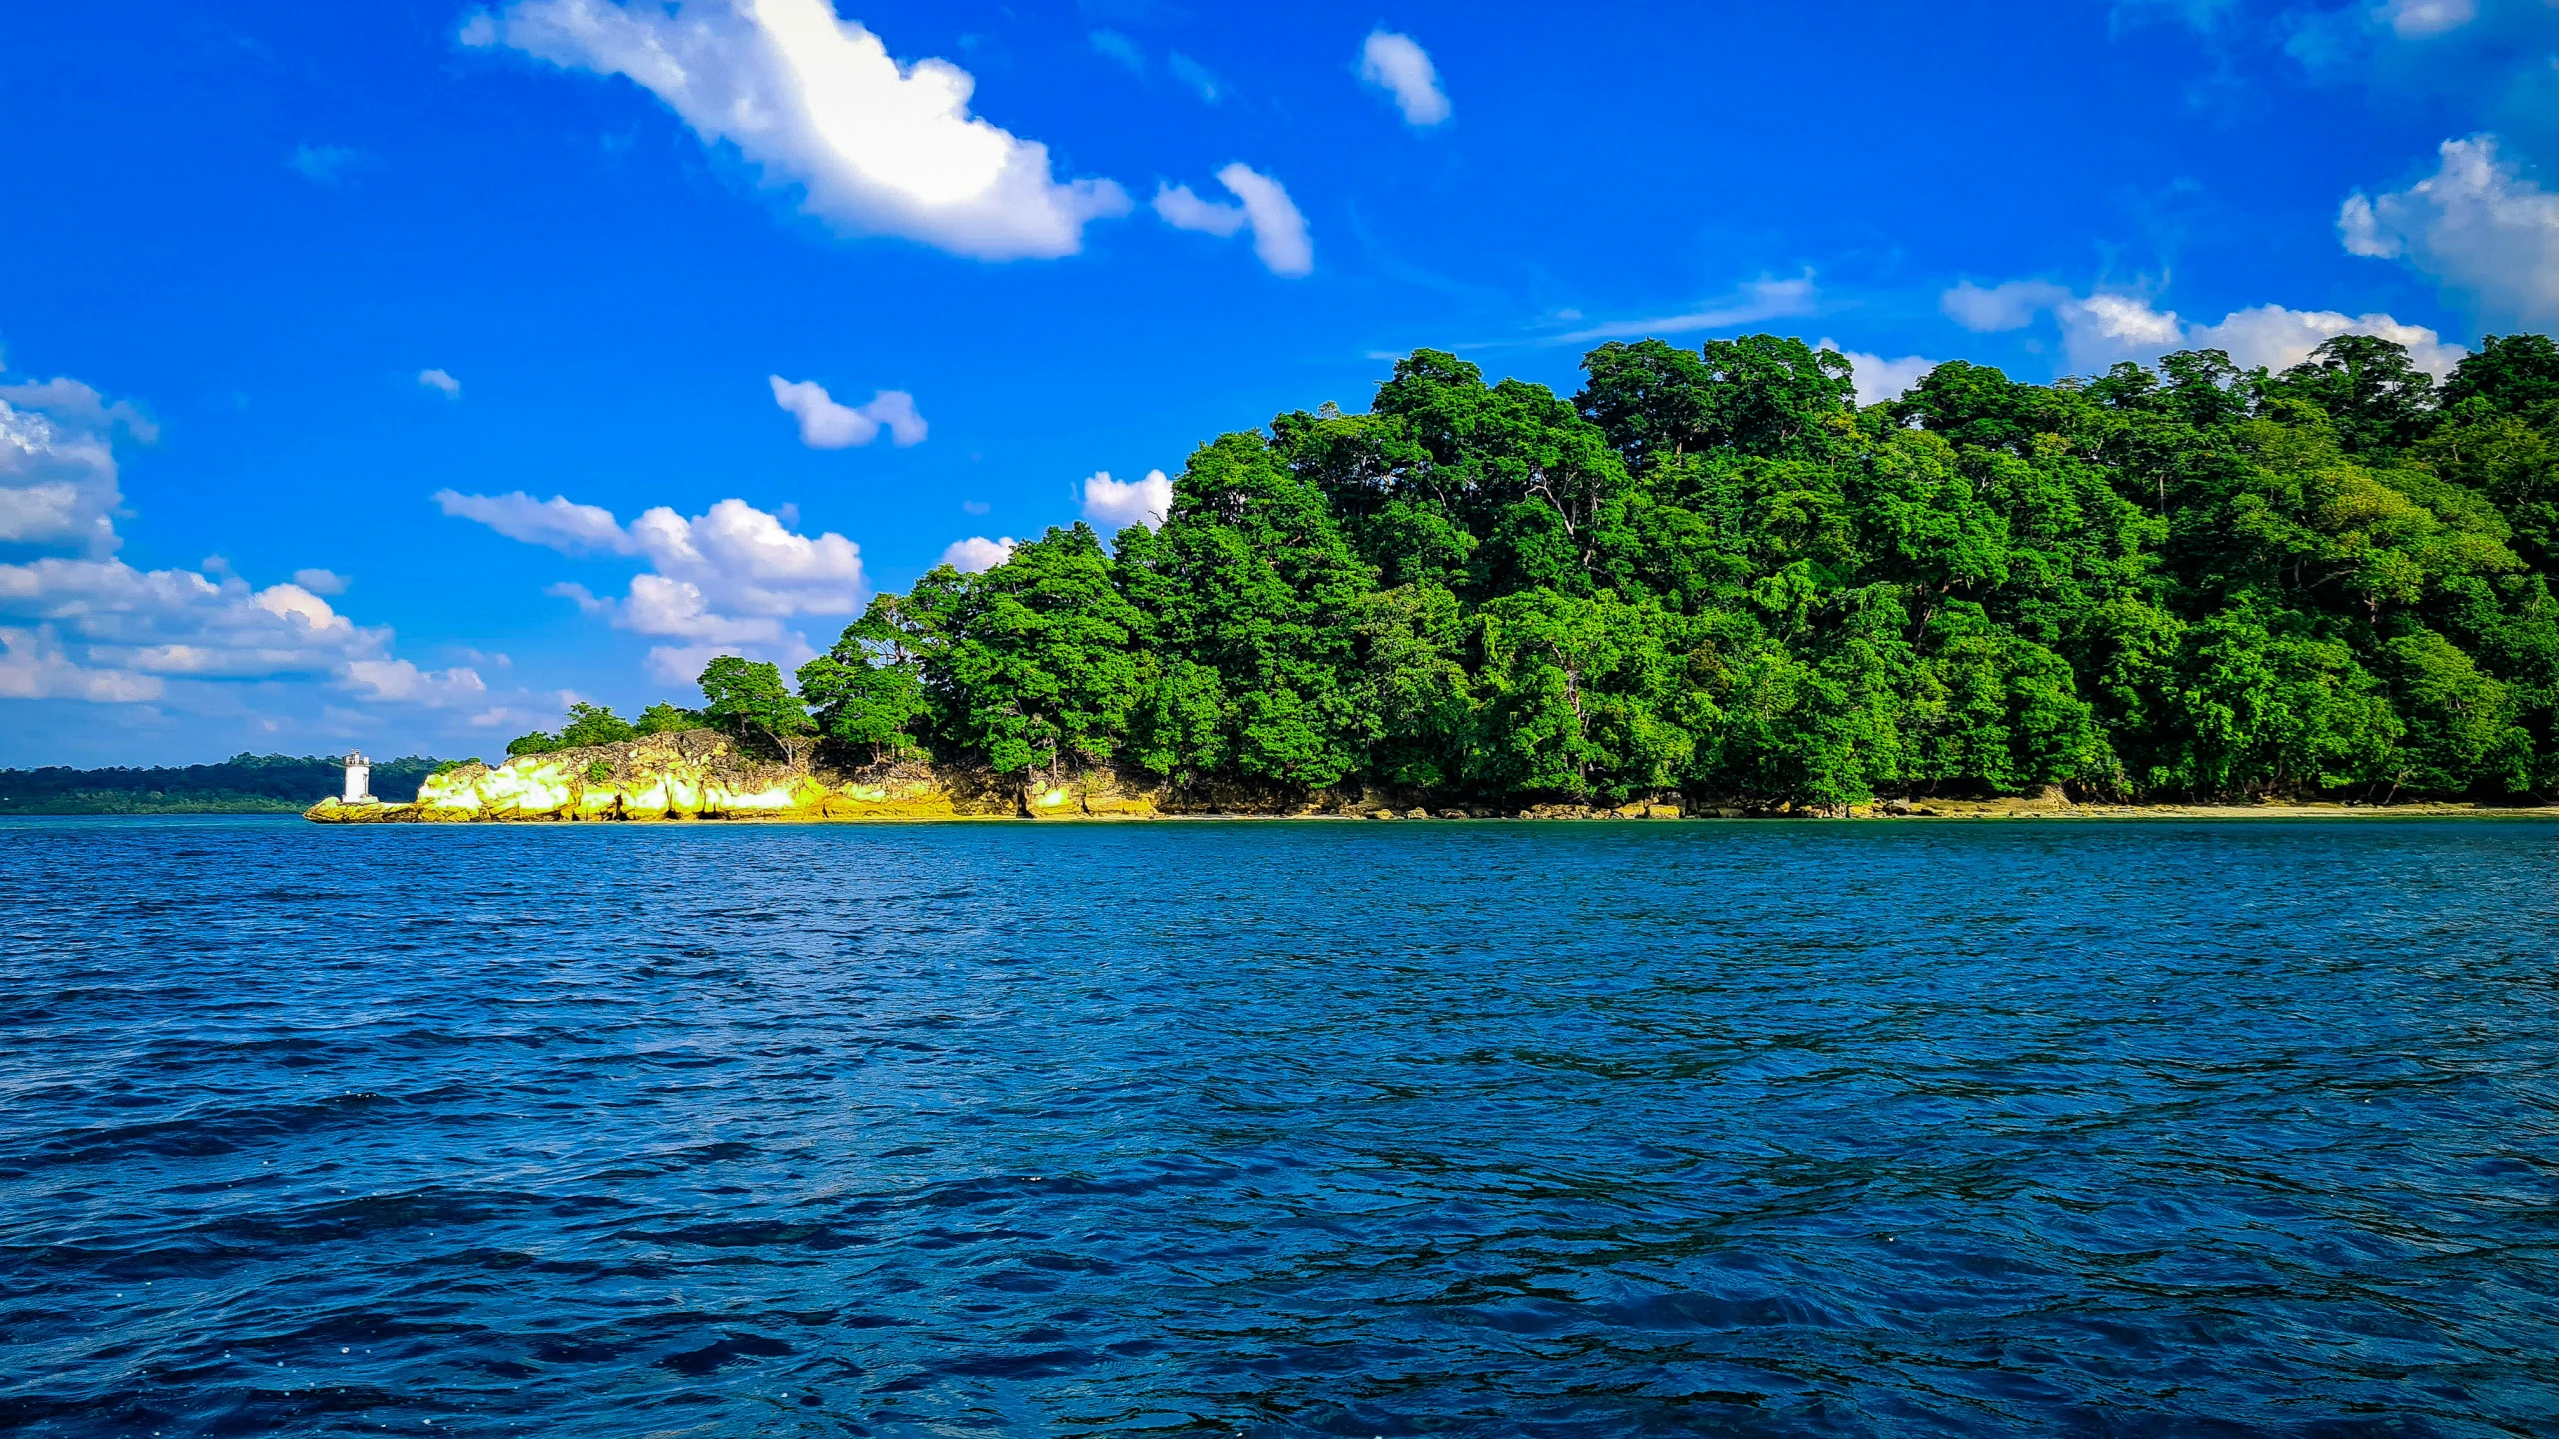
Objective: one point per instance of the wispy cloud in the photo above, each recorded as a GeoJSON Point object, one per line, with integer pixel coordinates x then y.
{"type": "Point", "coordinates": [1113, 45]}
{"type": "Point", "coordinates": [328, 164]}
{"type": "Point", "coordinates": [1763, 299]}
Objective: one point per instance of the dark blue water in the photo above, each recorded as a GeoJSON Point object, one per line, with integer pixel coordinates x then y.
{"type": "Point", "coordinates": [1280, 1129]}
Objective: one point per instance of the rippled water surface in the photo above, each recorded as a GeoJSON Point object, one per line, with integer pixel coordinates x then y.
{"type": "Point", "coordinates": [1321, 1129]}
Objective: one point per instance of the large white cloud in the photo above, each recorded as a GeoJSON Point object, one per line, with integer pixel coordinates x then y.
{"type": "Point", "coordinates": [1279, 230]}
{"type": "Point", "coordinates": [827, 425]}
{"type": "Point", "coordinates": [727, 581]}
{"type": "Point", "coordinates": [816, 101]}
{"type": "Point", "coordinates": [2477, 225]}
{"type": "Point", "coordinates": [1114, 505]}
{"type": "Point", "coordinates": [2104, 327]}
{"type": "Point", "coordinates": [1395, 64]}
{"type": "Point", "coordinates": [2278, 339]}
{"type": "Point", "coordinates": [34, 667]}
{"type": "Point", "coordinates": [57, 468]}
{"type": "Point", "coordinates": [79, 623]}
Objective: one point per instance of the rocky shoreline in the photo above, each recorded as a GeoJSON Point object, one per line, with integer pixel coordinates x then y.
{"type": "Point", "coordinates": [696, 775]}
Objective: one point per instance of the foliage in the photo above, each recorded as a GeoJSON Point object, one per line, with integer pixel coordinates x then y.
{"type": "Point", "coordinates": [665, 718]}
{"type": "Point", "coordinates": [748, 699]}
{"type": "Point", "coordinates": [868, 691]}
{"type": "Point", "coordinates": [588, 724]}
{"type": "Point", "coordinates": [1711, 573]}
{"type": "Point", "coordinates": [242, 784]}
{"type": "Point", "coordinates": [592, 725]}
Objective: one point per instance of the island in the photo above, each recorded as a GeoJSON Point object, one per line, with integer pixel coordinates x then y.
{"type": "Point", "coordinates": [1712, 582]}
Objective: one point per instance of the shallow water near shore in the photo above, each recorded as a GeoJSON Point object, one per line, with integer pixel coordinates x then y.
{"type": "Point", "coordinates": [1448, 1129]}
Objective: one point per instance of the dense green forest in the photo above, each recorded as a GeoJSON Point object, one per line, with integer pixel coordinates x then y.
{"type": "Point", "coordinates": [242, 784]}
{"type": "Point", "coordinates": [1710, 572]}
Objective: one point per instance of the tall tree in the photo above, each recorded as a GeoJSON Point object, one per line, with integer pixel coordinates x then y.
{"type": "Point", "coordinates": [748, 699]}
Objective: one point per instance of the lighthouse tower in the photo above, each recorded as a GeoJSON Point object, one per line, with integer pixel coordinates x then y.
{"type": "Point", "coordinates": [359, 778]}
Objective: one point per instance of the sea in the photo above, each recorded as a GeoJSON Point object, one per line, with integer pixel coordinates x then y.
{"type": "Point", "coordinates": [2103, 1128]}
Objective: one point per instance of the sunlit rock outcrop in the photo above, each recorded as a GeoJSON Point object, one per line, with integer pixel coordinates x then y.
{"type": "Point", "coordinates": [694, 775]}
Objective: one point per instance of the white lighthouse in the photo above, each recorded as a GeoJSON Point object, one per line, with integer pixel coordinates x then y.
{"type": "Point", "coordinates": [359, 778]}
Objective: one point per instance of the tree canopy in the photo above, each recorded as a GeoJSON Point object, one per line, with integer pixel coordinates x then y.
{"type": "Point", "coordinates": [1711, 573]}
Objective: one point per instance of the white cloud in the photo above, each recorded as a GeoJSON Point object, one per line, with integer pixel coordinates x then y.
{"type": "Point", "coordinates": [58, 468]}
{"type": "Point", "coordinates": [1394, 64]}
{"type": "Point", "coordinates": [813, 100]}
{"type": "Point", "coordinates": [2419, 19]}
{"type": "Point", "coordinates": [1113, 505]}
{"type": "Point", "coordinates": [34, 667]}
{"type": "Point", "coordinates": [400, 682]}
{"type": "Point", "coordinates": [723, 582]}
{"type": "Point", "coordinates": [2477, 225]}
{"type": "Point", "coordinates": [2011, 306]}
{"type": "Point", "coordinates": [556, 522]}
{"type": "Point", "coordinates": [179, 622]}
{"type": "Point", "coordinates": [1763, 299]}
{"type": "Point", "coordinates": [1880, 379]}
{"type": "Point", "coordinates": [439, 380]}
{"type": "Point", "coordinates": [2100, 329]}
{"type": "Point", "coordinates": [71, 402]}
{"type": "Point", "coordinates": [584, 598]}
{"type": "Point", "coordinates": [85, 625]}
{"type": "Point", "coordinates": [683, 664]}
{"type": "Point", "coordinates": [1184, 210]}
{"type": "Point", "coordinates": [826, 425]}
{"type": "Point", "coordinates": [2279, 339]}
{"type": "Point", "coordinates": [976, 553]}
{"type": "Point", "coordinates": [1279, 231]}
{"type": "Point", "coordinates": [321, 582]}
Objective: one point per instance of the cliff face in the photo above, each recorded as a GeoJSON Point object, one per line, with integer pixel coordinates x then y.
{"type": "Point", "coordinates": [702, 775]}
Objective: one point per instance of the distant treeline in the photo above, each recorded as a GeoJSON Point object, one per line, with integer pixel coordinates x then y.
{"type": "Point", "coordinates": [242, 784]}
{"type": "Point", "coordinates": [1712, 572]}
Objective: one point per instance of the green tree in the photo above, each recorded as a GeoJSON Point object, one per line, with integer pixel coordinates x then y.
{"type": "Point", "coordinates": [748, 699]}
{"type": "Point", "coordinates": [868, 690]}
{"type": "Point", "coordinates": [1038, 658]}
{"type": "Point", "coordinates": [592, 725]}
{"type": "Point", "coordinates": [665, 718]}
{"type": "Point", "coordinates": [1251, 594]}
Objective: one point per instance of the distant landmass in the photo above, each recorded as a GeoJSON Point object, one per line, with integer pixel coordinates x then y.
{"type": "Point", "coordinates": [242, 784]}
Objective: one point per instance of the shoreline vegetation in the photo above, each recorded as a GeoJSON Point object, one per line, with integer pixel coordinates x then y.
{"type": "Point", "coordinates": [242, 784]}
{"type": "Point", "coordinates": [701, 774]}
{"type": "Point", "coordinates": [1711, 582]}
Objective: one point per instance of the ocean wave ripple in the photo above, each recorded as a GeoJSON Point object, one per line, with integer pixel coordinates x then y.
{"type": "Point", "coordinates": [1444, 1129]}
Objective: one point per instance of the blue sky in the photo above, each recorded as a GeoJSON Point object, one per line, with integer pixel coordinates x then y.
{"type": "Point", "coordinates": [379, 375]}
